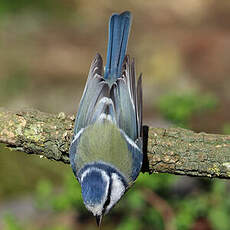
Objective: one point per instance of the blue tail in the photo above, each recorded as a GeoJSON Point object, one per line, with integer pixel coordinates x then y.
{"type": "Point", "coordinates": [119, 27]}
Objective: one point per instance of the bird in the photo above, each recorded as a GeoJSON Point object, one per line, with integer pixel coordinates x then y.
{"type": "Point", "coordinates": [106, 151]}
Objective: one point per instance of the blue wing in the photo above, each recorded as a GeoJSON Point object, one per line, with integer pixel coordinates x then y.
{"type": "Point", "coordinates": [95, 89]}
{"type": "Point", "coordinates": [127, 100]}
{"type": "Point", "coordinates": [121, 102]}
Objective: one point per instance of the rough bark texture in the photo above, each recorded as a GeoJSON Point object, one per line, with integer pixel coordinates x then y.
{"type": "Point", "coordinates": [173, 150]}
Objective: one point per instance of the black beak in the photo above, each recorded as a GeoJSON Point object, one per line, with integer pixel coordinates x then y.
{"type": "Point", "coordinates": [98, 219]}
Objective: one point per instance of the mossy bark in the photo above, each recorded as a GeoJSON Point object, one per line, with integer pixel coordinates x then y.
{"type": "Point", "coordinates": [35, 132]}
{"type": "Point", "coordinates": [184, 152]}
{"type": "Point", "coordinates": [172, 150]}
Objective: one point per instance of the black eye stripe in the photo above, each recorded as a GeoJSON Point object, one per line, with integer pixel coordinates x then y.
{"type": "Point", "coordinates": [107, 202]}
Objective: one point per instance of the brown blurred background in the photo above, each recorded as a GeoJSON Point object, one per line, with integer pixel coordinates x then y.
{"type": "Point", "coordinates": [46, 52]}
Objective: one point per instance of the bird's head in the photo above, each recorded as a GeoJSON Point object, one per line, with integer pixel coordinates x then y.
{"type": "Point", "coordinates": [101, 191]}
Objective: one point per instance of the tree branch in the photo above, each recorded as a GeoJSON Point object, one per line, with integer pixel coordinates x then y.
{"type": "Point", "coordinates": [172, 150]}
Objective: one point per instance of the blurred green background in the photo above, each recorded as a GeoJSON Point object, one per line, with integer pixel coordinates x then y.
{"type": "Point", "coordinates": [183, 50]}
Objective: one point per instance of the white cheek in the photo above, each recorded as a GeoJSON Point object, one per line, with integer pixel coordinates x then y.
{"type": "Point", "coordinates": [117, 190]}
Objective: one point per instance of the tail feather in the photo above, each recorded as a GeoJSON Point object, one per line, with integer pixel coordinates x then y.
{"type": "Point", "coordinates": [119, 28]}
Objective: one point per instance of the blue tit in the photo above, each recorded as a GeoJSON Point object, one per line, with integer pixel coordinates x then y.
{"type": "Point", "coordinates": [106, 149]}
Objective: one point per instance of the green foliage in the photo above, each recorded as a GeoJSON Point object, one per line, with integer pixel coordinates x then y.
{"type": "Point", "coordinates": [53, 7]}
{"type": "Point", "coordinates": [213, 205]}
{"type": "Point", "coordinates": [187, 213]}
{"type": "Point", "coordinates": [153, 219]}
{"type": "Point", "coordinates": [219, 218]}
{"type": "Point", "coordinates": [10, 223]}
{"type": "Point", "coordinates": [56, 228]}
{"type": "Point", "coordinates": [135, 203]}
{"type": "Point", "coordinates": [219, 206]}
{"type": "Point", "coordinates": [155, 182]}
{"type": "Point", "coordinates": [130, 223]}
{"type": "Point", "coordinates": [135, 211]}
{"type": "Point", "coordinates": [135, 200]}
{"type": "Point", "coordinates": [179, 107]}
{"type": "Point", "coordinates": [43, 193]}
{"type": "Point", "coordinates": [68, 199]}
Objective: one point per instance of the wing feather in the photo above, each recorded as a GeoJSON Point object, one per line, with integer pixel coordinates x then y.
{"type": "Point", "coordinates": [139, 105]}
{"type": "Point", "coordinates": [137, 156]}
{"type": "Point", "coordinates": [127, 101]}
{"type": "Point", "coordinates": [127, 116]}
{"type": "Point", "coordinates": [94, 90]}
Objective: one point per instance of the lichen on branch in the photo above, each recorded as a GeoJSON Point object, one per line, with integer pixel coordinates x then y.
{"type": "Point", "coordinates": [173, 150]}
